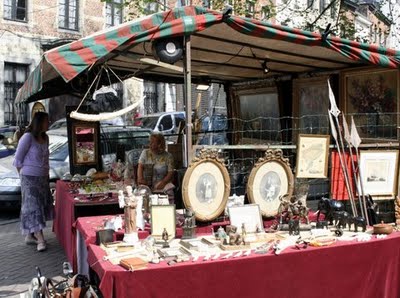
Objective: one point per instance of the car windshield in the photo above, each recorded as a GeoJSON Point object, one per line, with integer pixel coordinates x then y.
{"type": "Point", "coordinates": [149, 122]}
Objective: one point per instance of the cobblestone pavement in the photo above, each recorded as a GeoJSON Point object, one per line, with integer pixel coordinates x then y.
{"type": "Point", "coordinates": [18, 260]}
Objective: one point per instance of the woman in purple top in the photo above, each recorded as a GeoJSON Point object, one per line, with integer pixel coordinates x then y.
{"type": "Point", "coordinates": [32, 163]}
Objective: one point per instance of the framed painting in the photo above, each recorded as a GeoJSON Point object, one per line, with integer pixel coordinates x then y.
{"type": "Point", "coordinates": [257, 115]}
{"type": "Point", "coordinates": [312, 156]}
{"type": "Point", "coordinates": [163, 217]}
{"type": "Point", "coordinates": [270, 178]}
{"type": "Point", "coordinates": [378, 172]}
{"type": "Point", "coordinates": [206, 186]}
{"type": "Point", "coordinates": [247, 216]}
{"type": "Point", "coordinates": [310, 106]}
{"type": "Point", "coordinates": [371, 97]}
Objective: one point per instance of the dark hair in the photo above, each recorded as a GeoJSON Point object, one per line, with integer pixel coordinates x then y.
{"type": "Point", "coordinates": [36, 124]}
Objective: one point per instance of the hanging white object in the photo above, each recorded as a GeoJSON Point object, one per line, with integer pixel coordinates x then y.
{"type": "Point", "coordinates": [104, 116]}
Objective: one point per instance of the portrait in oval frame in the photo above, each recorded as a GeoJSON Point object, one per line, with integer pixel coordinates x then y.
{"type": "Point", "coordinates": [206, 186]}
{"type": "Point", "coordinates": [270, 178]}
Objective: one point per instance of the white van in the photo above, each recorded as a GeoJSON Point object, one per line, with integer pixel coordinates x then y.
{"type": "Point", "coordinates": [165, 122]}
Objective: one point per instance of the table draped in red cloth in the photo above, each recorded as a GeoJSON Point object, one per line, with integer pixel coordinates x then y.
{"type": "Point", "coordinates": [345, 269]}
{"type": "Point", "coordinates": [338, 184]}
{"type": "Point", "coordinates": [66, 209]}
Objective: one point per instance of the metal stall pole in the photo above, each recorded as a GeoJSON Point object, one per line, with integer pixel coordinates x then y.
{"type": "Point", "coordinates": [188, 99]}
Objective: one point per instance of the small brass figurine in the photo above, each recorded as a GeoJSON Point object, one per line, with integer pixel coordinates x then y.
{"type": "Point", "coordinates": [165, 237]}
{"type": "Point", "coordinates": [189, 225]}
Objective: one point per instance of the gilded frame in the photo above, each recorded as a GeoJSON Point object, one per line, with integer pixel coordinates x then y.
{"type": "Point", "coordinates": [206, 186]}
{"type": "Point", "coordinates": [372, 95]}
{"type": "Point", "coordinates": [379, 172]}
{"type": "Point", "coordinates": [270, 178]}
{"type": "Point", "coordinates": [310, 106]}
{"type": "Point", "coordinates": [312, 156]}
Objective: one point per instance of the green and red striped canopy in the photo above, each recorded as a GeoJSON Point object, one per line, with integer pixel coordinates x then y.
{"type": "Point", "coordinates": [227, 48]}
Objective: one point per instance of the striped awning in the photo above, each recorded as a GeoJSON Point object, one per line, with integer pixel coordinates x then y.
{"type": "Point", "coordinates": [223, 48]}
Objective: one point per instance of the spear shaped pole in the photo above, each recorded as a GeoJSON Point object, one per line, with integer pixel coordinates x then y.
{"type": "Point", "coordinates": [355, 140]}
{"type": "Point", "coordinates": [347, 137]}
{"type": "Point", "coordinates": [334, 112]}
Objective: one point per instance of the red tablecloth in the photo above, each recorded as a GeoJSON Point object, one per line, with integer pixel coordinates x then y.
{"type": "Point", "coordinates": [345, 269]}
{"type": "Point", "coordinates": [66, 213]}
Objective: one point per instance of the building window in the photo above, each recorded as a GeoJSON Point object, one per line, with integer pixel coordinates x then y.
{"type": "Point", "coordinates": [114, 13]}
{"type": "Point", "coordinates": [152, 7]}
{"type": "Point", "coordinates": [68, 14]}
{"type": "Point", "coordinates": [206, 3]}
{"type": "Point", "coordinates": [15, 10]}
{"type": "Point", "coordinates": [14, 77]}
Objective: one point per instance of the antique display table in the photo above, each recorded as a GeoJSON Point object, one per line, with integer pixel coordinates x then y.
{"type": "Point", "coordinates": [68, 209]}
{"type": "Point", "coordinates": [344, 269]}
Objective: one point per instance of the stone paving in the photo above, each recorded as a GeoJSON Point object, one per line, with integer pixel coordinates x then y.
{"type": "Point", "coordinates": [18, 260]}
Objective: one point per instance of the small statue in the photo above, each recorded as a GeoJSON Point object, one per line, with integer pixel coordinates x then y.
{"type": "Point", "coordinates": [221, 234]}
{"type": "Point", "coordinates": [121, 199]}
{"type": "Point", "coordinates": [130, 211]}
{"type": "Point", "coordinates": [244, 233]}
{"type": "Point", "coordinates": [189, 219]}
{"type": "Point", "coordinates": [165, 236]}
{"type": "Point", "coordinates": [233, 236]}
{"type": "Point", "coordinates": [139, 212]}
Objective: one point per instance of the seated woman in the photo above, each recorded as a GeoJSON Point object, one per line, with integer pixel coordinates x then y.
{"type": "Point", "coordinates": [156, 167]}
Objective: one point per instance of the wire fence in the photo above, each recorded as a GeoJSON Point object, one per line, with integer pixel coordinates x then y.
{"type": "Point", "coordinates": [244, 141]}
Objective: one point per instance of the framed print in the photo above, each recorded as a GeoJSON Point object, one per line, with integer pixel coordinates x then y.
{"type": "Point", "coordinates": [371, 97]}
{"type": "Point", "coordinates": [163, 217]}
{"type": "Point", "coordinates": [270, 178]}
{"type": "Point", "coordinates": [248, 216]}
{"type": "Point", "coordinates": [206, 186]}
{"type": "Point", "coordinates": [312, 156]}
{"type": "Point", "coordinates": [84, 143]}
{"type": "Point", "coordinates": [378, 171]}
{"type": "Point", "coordinates": [310, 106]}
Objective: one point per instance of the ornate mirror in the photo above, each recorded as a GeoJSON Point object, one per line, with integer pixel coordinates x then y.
{"type": "Point", "coordinates": [270, 178]}
{"type": "Point", "coordinates": [206, 186]}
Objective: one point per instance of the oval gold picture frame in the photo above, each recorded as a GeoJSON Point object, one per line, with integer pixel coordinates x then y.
{"type": "Point", "coordinates": [270, 178]}
{"type": "Point", "coordinates": [206, 186]}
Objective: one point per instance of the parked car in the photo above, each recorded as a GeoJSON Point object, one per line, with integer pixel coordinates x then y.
{"type": "Point", "coordinates": [7, 143]}
{"type": "Point", "coordinates": [165, 122]}
{"type": "Point", "coordinates": [134, 140]}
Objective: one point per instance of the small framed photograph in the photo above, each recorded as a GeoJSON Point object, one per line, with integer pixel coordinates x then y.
{"type": "Point", "coordinates": [378, 171]}
{"type": "Point", "coordinates": [163, 217]}
{"type": "Point", "coordinates": [312, 156]}
{"type": "Point", "coordinates": [248, 216]}
{"type": "Point", "coordinates": [206, 186]}
{"type": "Point", "coordinates": [270, 178]}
